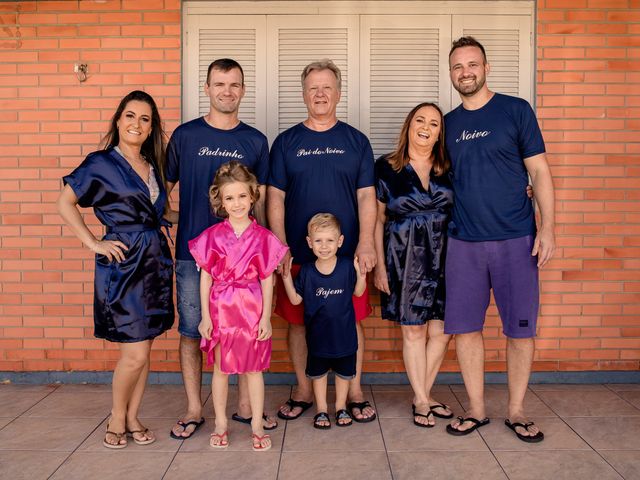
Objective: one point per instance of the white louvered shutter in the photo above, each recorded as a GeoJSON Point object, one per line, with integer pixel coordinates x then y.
{"type": "Point", "coordinates": [403, 68]}
{"type": "Point", "coordinates": [292, 43]}
{"type": "Point", "coordinates": [507, 41]}
{"type": "Point", "coordinates": [227, 36]}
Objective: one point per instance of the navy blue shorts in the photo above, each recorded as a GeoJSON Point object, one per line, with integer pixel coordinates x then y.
{"type": "Point", "coordinates": [343, 367]}
{"type": "Point", "coordinates": [473, 269]}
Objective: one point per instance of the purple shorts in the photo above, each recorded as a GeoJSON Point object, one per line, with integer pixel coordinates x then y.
{"type": "Point", "coordinates": [507, 267]}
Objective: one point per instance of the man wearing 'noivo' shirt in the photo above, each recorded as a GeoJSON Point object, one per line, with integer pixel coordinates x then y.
{"type": "Point", "coordinates": [494, 142]}
{"type": "Point", "coordinates": [322, 165]}
{"type": "Point", "coordinates": [195, 152]}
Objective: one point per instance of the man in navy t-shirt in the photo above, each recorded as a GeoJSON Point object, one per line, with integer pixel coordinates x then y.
{"type": "Point", "coordinates": [494, 143]}
{"type": "Point", "coordinates": [195, 152]}
{"type": "Point", "coordinates": [322, 165]}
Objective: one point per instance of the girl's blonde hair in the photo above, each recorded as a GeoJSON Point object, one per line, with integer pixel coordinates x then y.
{"type": "Point", "coordinates": [229, 173]}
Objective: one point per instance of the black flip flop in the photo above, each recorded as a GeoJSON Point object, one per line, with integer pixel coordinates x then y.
{"type": "Point", "coordinates": [422, 425]}
{"type": "Point", "coordinates": [184, 426]}
{"type": "Point", "coordinates": [247, 420]}
{"type": "Point", "coordinates": [293, 404]}
{"type": "Point", "coordinates": [322, 416]}
{"type": "Point", "coordinates": [360, 406]}
{"type": "Point", "coordinates": [341, 415]}
{"type": "Point", "coordinates": [436, 414]}
{"type": "Point", "coordinates": [538, 437]}
{"type": "Point", "coordinates": [440, 415]}
{"type": "Point", "coordinates": [476, 425]}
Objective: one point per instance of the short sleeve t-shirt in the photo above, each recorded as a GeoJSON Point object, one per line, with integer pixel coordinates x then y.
{"type": "Point", "coordinates": [195, 152]}
{"type": "Point", "coordinates": [321, 172]}
{"type": "Point", "coordinates": [487, 148]}
{"type": "Point", "coordinates": [329, 317]}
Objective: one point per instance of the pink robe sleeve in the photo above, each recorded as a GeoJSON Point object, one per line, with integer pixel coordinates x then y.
{"type": "Point", "coordinates": [273, 251]}
{"type": "Point", "coordinates": [202, 251]}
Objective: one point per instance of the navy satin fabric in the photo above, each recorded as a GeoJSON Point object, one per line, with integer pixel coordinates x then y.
{"type": "Point", "coordinates": [133, 299]}
{"type": "Point", "coordinates": [415, 236]}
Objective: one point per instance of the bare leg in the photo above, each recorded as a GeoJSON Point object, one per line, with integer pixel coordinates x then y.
{"type": "Point", "coordinates": [255, 384]}
{"type": "Point", "coordinates": [219, 393]}
{"type": "Point", "coordinates": [191, 366]}
{"type": "Point", "coordinates": [519, 360]}
{"type": "Point", "coordinates": [132, 362]}
{"type": "Point", "coordinates": [133, 424]}
{"type": "Point", "coordinates": [470, 350]}
{"type": "Point", "coordinates": [244, 404]}
{"type": "Point", "coordinates": [355, 386]}
{"type": "Point", "coordinates": [414, 339]}
{"type": "Point", "coordinates": [298, 353]}
{"type": "Point", "coordinates": [320, 394]}
{"type": "Point", "coordinates": [436, 350]}
{"type": "Point", "coordinates": [342, 390]}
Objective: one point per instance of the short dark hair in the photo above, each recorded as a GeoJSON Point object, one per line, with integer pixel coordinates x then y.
{"type": "Point", "coordinates": [468, 42]}
{"type": "Point", "coordinates": [224, 65]}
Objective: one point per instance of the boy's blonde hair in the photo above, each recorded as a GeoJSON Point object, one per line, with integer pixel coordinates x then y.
{"type": "Point", "coordinates": [323, 220]}
{"type": "Point", "coordinates": [231, 172]}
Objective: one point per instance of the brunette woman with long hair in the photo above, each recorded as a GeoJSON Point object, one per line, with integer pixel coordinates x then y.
{"type": "Point", "coordinates": [414, 207]}
{"type": "Point", "coordinates": [133, 298]}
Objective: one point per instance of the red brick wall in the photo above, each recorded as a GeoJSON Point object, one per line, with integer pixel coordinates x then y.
{"type": "Point", "coordinates": [589, 109]}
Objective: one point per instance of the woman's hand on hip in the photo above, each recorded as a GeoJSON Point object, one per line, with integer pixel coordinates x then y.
{"type": "Point", "coordinates": [112, 249]}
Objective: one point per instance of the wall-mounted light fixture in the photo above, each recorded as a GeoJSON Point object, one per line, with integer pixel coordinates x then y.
{"type": "Point", "coordinates": [82, 71]}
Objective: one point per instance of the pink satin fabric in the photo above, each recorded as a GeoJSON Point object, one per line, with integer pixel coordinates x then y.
{"type": "Point", "coordinates": [235, 301]}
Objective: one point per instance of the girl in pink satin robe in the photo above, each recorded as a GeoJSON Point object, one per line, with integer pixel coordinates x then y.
{"type": "Point", "coordinates": [237, 258]}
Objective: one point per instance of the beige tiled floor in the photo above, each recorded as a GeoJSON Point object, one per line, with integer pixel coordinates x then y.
{"type": "Point", "coordinates": [592, 432]}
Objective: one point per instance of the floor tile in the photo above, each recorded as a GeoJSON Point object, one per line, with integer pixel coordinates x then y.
{"type": "Point", "coordinates": [401, 435]}
{"type": "Point", "coordinates": [563, 387]}
{"type": "Point", "coordinates": [557, 436]}
{"type": "Point", "coordinates": [77, 405]}
{"type": "Point", "coordinates": [631, 396]}
{"type": "Point", "coordinates": [587, 404]}
{"type": "Point", "coordinates": [53, 434]}
{"type": "Point", "coordinates": [568, 465]}
{"type": "Point", "coordinates": [302, 437]}
{"type": "Point", "coordinates": [623, 386]}
{"type": "Point", "coordinates": [29, 464]}
{"type": "Point", "coordinates": [398, 404]}
{"type": "Point", "coordinates": [497, 401]}
{"type": "Point", "coordinates": [159, 426]}
{"type": "Point", "coordinates": [170, 401]}
{"type": "Point", "coordinates": [626, 463]}
{"type": "Point", "coordinates": [87, 388]}
{"type": "Point", "coordinates": [334, 466]}
{"type": "Point", "coordinates": [4, 421]}
{"type": "Point", "coordinates": [235, 465]}
{"type": "Point", "coordinates": [608, 433]}
{"type": "Point", "coordinates": [445, 466]}
{"type": "Point", "coordinates": [17, 399]}
{"type": "Point", "coordinates": [239, 438]}
{"type": "Point", "coordinates": [116, 465]}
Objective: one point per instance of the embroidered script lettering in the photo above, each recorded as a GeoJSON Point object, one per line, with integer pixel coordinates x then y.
{"type": "Point", "coordinates": [472, 135]}
{"type": "Point", "coordinates": [325, 292]}
{"type": "Point", "coordinates": [218, 152]}
{"type": "Point", "coordinates": [320, 151]}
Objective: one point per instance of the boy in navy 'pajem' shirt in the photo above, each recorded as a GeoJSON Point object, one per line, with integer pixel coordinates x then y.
{"type": "Point", "coordinates": [327, 286]}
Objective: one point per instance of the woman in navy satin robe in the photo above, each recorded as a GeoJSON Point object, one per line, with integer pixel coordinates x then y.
{"type": "Point", "coordinates": [133, 297]}
{"type": "Point", "coordinates": [415, 198]}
